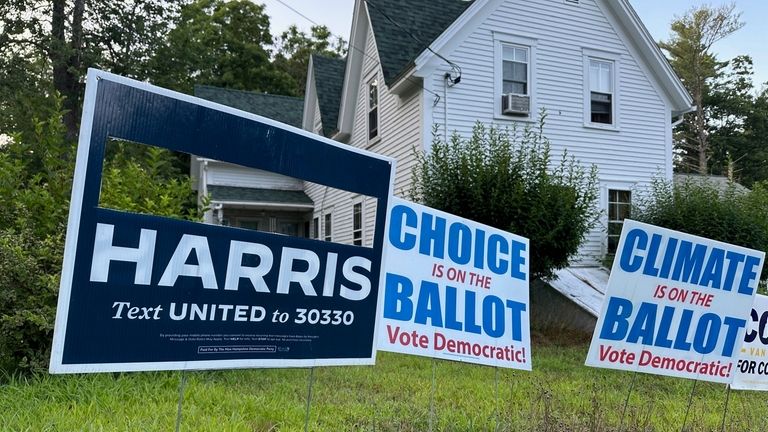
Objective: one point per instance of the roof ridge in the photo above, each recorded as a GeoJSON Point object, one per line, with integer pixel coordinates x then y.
{"type": "Point", "coordinates": [250, 92]}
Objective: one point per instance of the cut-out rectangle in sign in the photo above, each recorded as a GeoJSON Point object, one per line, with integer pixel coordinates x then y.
{"type": "Point", "coordinates": [143, 292]}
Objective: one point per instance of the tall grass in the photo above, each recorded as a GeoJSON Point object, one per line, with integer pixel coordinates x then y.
{"type": "Point", "coordinates": [560, 395]}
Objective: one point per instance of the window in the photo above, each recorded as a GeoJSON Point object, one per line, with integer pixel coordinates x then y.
{"type": "Point", "coordinates": [514, 83]}
{"type": "Point", "coordinates": [601, 91]}
{"type": "Point", "coordinates": [327, 229]}
{"type": "Point", "coordinates": [316, 228]}
{"type": "Point", "coordinates": [619, 205]}
{"type": "Point", "coordinates": [514, 62]}
{"type": "Point", "coordinates": [373, 109]}
{"type": "Point", "coordinates": [357, 224]}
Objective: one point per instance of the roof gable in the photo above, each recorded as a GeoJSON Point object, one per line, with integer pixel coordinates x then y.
{"type": "Point", "coordinates": [329, 77]}
{"type": "Point", "coordinates": [622, 18]}
{"type": "Point", "coordinates": [403, 29]}
{"type": "Point", "coordinates": [285, 109]}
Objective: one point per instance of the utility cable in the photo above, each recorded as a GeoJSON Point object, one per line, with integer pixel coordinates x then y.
{"type": "Point", "coordinates": [455, 67]}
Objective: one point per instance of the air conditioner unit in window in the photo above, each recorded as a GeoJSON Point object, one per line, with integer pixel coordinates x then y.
{"type": "Point", "coordinates": [512, 104]}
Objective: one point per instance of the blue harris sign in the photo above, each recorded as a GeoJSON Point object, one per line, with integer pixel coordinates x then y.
{"type": "Point", "coordinates": [141, 292]}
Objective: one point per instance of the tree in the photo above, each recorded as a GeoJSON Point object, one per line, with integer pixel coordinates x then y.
{"type": "Point", "coordinates": [35, 183]}
{"type": "Point", "coordinates": [737, 151]}
{"type": "Point", "coordinates": [220, 43]}
{"type": "Point", "coordinates": [698, 207]}
{"type": "Point", "coordinates": [62, 38]}
{"type": "Point", "coordinates": [507, 180]}
{"type": "Point", "coordinates": [689, 51]}
{"type": "Point", "coordinates": [294, 48]}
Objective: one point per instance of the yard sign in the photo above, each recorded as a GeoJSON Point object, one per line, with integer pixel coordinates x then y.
{"type": "Point", "coordinates": [141, 292]}
{"type": "Point", "coordinates": [752, 367]}
{"type": "Point", "coordinates": [455, 289]}
{"type": "Point", "coordinates": [676, 305]}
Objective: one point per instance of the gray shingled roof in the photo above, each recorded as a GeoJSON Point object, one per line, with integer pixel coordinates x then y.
{"type": "Point", "coordinates": [424, 19]}
{"type": "Point", "coordinates": [285, 109]}
{"type": "Point", "coordinates": [721, 183]}
{"type": "Point", "coordinates": [329, 78]}
{"type": "Point", "coordinates": [244, 194]}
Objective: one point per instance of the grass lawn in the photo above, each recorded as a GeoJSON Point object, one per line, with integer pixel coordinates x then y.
{"type": "Point", "coordinates": [560, 395]}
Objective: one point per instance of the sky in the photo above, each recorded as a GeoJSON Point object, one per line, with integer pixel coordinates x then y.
{"type": "Point", "coordinates": [655, 14]}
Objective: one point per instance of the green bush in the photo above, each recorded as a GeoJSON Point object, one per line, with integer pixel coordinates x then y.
{"type": "Point", "coordinates": [698, 207]}
{"type": "Point", "coordinates": [35, 186]}
{"type": "Point", "coordinates": [506, 179]}
{"type": "Point", "coordinates": [148, 182]}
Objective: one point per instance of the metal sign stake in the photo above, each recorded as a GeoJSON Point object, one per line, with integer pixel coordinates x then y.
{"type": "Point", "coordinates": [432, 394]}
{"type": "Point", "coordinates": [725, 409]}
{"type": "Point", "coordinates": [181, 399]}
{"type": "Point", "coordinates": [309, 398]}
{"type": "Point", "coordinates": [688, 408]}
{"type": "Point", "coordinates": [626, 401]}
{"type": "Point", "coordinates": [496, 397]}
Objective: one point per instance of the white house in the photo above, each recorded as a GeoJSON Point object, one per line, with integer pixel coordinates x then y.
{"type": "Point", "coordinates": [611, 97]}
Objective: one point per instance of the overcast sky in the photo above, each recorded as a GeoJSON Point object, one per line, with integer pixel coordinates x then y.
{"type": "Point", "coordinates": [656, 14]}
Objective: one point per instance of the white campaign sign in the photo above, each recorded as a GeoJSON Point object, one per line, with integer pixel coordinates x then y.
{"type": "Point", "coordinates": [676, 305]}
{"type": "Point", "coordinates": [752, 368]}
{"type": "Point", "coordinates": [455, 289]}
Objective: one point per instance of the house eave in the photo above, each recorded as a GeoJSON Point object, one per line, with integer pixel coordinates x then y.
{"type": "Point", "coordinates": [405, 82]}
{"type": "Point", "coordinates": [676, 91]}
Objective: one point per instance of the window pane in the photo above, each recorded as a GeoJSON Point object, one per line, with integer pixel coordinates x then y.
{"type": "Point", "coordinates": [328, 227]}
{"type": "Point", "coordinates": [619, 205]}
{"type": "Point", "coordinates": [373, 94]}
{"type": "Point", "coordinates": [357, 216]}
{"type": "Point", "coordinates": [521, 55]}
{"type": "Point", "coordinates": [606, 78]}
{"type": "Point", "coordinates": [601, 108]}
{"type": "Point", "coordinates": [613, 243]}
{"type": "Point", "coordinates": [508, 69]}
{"type": "Point", "coordinates": [514, 87]}
{"type": "Point", "coordinates": [601, 76]}
{"type": "Point", "coordinates": [507, 52]}
{"type": "Point", "coordinates": [623, 211]}
{"type": "Point", "coordinates": [520, 72]}
{"type": "Point", "coordinates": [624, 196]}
{"type": "Point", "coordinates": [316, 228]}
{"type": "Point", "coordinates": [373, 123]}
{"type": "Point", "coordinates": [594, 76]}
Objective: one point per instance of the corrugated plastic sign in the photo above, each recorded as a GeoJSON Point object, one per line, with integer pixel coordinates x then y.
{"type": "Point", "coordinates": [142, 292]}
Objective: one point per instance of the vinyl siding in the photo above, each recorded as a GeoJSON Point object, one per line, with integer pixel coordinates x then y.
{"type": "Point", "coordinates": [317, 123]}
{"type": "Point", "coordinates": [225, 174]}
{"type": "Point", "coordinates": [633, 154]}
{"type": "Point", "coordinates": [399, 135]}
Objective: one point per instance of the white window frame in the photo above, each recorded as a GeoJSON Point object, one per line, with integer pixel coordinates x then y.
{"type": "Point", "coordinates": [615, 60]}
{"type": "Point", "coordinates": [361, 230]}
{"type": "Point", "coordinates": [328, 216]}
{"type": "Point", "coordinates": [606, 199]}
{"type": "Point", "coordinates": [374, 77]}
{"type": "Point", "coordinates": [316, 227]}
{"type": "Point", "coordinates": [517, 41]}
